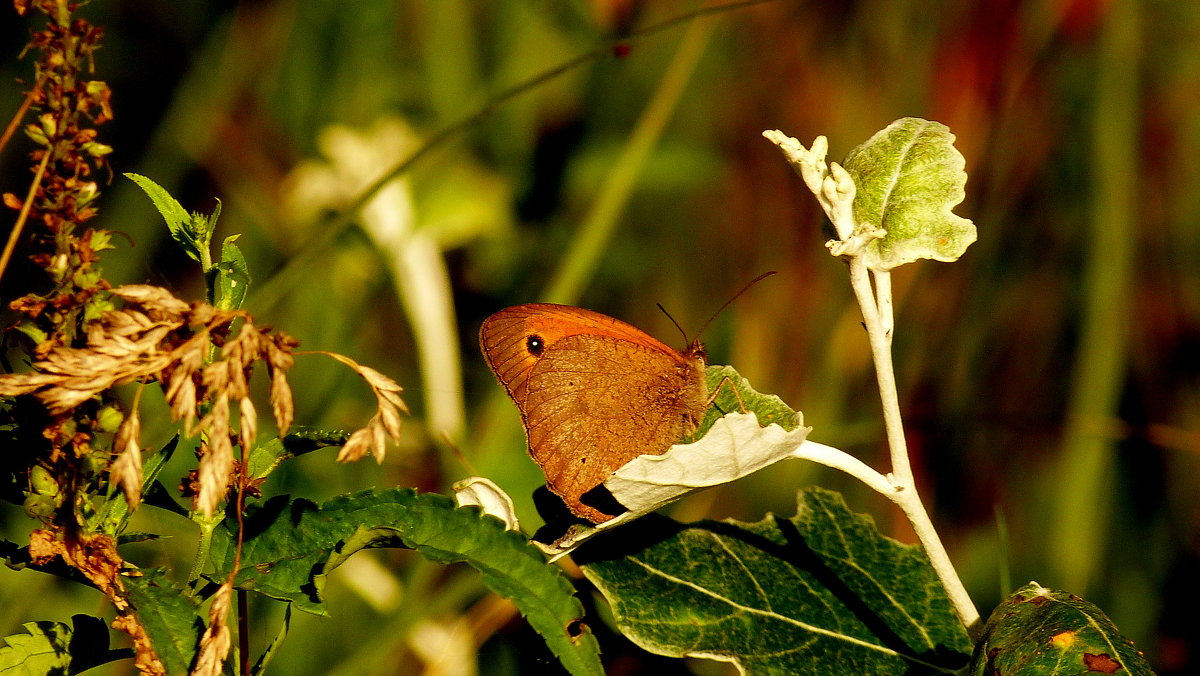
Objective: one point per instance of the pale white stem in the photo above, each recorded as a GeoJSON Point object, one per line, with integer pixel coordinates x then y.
{"type": "Point", "coordinates": [422, 284]}
{"type": "Point", "coordinates": [903, 490]}
{"type": "Point", "coordinates": [839, 459]}
{"type": "Point", "coordinates": [835, 191]}
{"type": "Point", "coordinates": [885, 374]}
{"type": "Point", "coordinates": [883, 299]}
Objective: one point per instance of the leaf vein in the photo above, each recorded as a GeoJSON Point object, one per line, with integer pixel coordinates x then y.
{"type": "Point", "coordinates": [770, 614]}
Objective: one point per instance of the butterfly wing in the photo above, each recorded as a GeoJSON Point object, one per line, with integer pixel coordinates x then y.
{"type": "Point", "coordinates": [504, 338]}
{"type": "Point", "coordinates": [593, 392]}
{"type": "Point", "coordinates": [595, 403]}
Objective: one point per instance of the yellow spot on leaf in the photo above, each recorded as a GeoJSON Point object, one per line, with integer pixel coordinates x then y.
{"type": "Point", "coordinates": [1063, 640]}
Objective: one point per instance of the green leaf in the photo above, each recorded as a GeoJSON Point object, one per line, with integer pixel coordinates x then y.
{"type": "Point", "coordinates": [168, 615]}
{"type": "Point", "coordinates": [266, 457]}
{"type": "Point", "coordinates": [909, 177]}
{"type": "Point", "coordinates": [732, 392]}
{"type": "Point", "coordinates": [821, 593]}
{"type": "Point", "coordinates": [179, 221]}
{"type": "Point", "coordinates": [55, 648]}
{"type": "Point", "coordinates": [1044, 631]}
{"type": "Point", "coordinates": [291, 546]}
{"type": "Point", "coordinates": [159, 496]}
{"type": "Point", "coordinates": [31, 330]}
{"type": "Point", "coordinates": [233, 275]}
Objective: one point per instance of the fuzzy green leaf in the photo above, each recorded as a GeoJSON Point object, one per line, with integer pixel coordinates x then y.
{"type": "Point", "coordinates": [909, 176]}
{"type": "Point", "coordinates": [169, 616]}
{"type": "Point", "coordinates": [179, 221]}
{"type": "Point", "coordinates": [821, 593]}
{"type": "Point", "coordinates": [733, 391]}
{"type": "Point", "coordinates": [1043, 631]}
{"type": "Point", "coordinates": [56, 648]}
{"type": "Point", "coordinates": [291, 546]}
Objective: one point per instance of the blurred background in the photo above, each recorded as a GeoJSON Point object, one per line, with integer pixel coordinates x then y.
{"type": "Point", "coordinates": [1048, 378]}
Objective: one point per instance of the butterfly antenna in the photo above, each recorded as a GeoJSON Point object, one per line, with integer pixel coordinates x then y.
{"type": "Point", "coordinates": [735, 296]}
{"type": "Point", "coordinates": [668, 314]}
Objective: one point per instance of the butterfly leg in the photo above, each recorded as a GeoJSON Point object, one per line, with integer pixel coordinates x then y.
{"type": "Point", "coordinates": [717, 390]}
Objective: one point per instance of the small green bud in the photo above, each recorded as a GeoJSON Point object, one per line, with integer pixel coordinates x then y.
{"type": "Point", "coordinates": [110, 418]}
{"type": "Point", "coordinates": [40, 506]}
{"type": "Point", "coordinates": [42, 482]}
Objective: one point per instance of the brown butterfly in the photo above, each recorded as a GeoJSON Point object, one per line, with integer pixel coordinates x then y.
{"type": "Point", "coordinates": [593, 392]}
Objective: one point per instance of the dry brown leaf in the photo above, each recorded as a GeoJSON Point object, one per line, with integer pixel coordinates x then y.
{"type": "Point", "coordinates": [356, 446]}
{"type": "Point", "coordinates": [379, 439]}
{"type": "Point", "coordinates": [217, 464]}
{"type": "Point", "coordinates": [153, 298]}
{"type": "Point", "coordinates": [146, 661]}
{"type": "Point", "coordinates": [282, 405]}
{"type": "Point", "coordinates": [126, 471]}
{"type": "Point", "coordinates": [215, 643]}
{"type": "Point", "coordinates": [386, 421]}
{"type": "Point", "coordinates": [247, 424]}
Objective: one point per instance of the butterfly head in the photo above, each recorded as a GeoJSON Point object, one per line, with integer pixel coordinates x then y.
{"type": "Point", "coordinates": [695, 350]}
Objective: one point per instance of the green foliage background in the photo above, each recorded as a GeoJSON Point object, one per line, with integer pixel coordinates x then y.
{"type": "Point", "coordinates": [1048, 378]}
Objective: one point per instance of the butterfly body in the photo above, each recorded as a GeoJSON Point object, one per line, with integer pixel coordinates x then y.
{"type": "Point", "coordinates": [593, 392]}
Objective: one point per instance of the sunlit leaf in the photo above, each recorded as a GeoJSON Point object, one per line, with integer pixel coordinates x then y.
{"type": "Point", "coordinates": [821, 593]}
{"type": "Point", "coordinates": [292, 545]}
{"type": "Point", "coordinates": [58, 648]}
{"type": "Point", "coordinates": [179, 221]}
{"type": "Point", "coordinates": [233, 276]}
{"type": "Point", "coordinates": [1045, 631]}
{"type": "Point", "coordinates": [909, 177]}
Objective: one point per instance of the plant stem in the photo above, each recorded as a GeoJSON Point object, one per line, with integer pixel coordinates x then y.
{"type": "Point", "coordinates": [841, 460]}
{"type": "Point", "coordinates": [904, 492]}
{"type": "Point", "coordinates": [15, 235]}
{"type": "Point", "coordinates": [203, 546]}
{"type": "Point", "coordinates": [1080, 492]}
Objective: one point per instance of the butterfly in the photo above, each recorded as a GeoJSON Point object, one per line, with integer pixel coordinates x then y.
{"type": "Point", "coordinates": [594, 393]}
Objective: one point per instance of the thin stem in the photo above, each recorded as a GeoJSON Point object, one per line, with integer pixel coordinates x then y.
{"type": "Point", "coordinates": [20, 114]}
{"type": "Point", "coordinates": [881, 350]}
{"type": "Point", "coordinates": [24, 215]}
{"type": "Point", "coordinates": [883, 300]}
{"type": "Point", "coordinates": [243, 607]}
{"type": "Point", "coordinates": [841, 460]}
{"type": "Point", "coordinates": [904, 489]}
{"type": "Point", "coordinates": [203, 547]}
